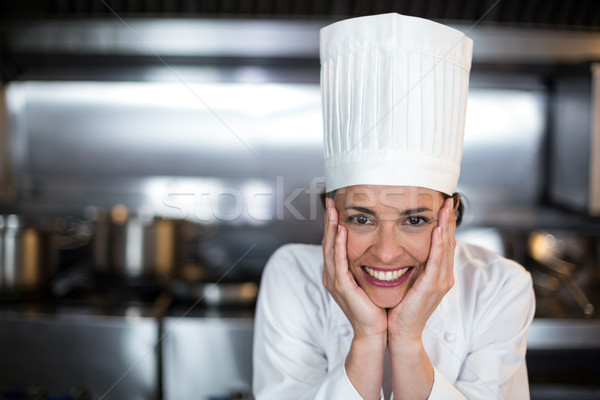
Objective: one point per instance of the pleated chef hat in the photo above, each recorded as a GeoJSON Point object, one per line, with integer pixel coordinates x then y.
{"type": "Point", "coordinates": [394, 94]}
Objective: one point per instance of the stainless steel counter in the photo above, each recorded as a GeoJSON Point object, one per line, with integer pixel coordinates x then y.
{"type": "Point", "coordinates": [551, 334]}
{"type": "Point", "coordinates": [103, 356]}
{"type": "Point", "coordinates": [199, 352]}
{"type": "Point", "coordinates": [207, 358]}
{"type": "Point", "coordinates": [562, 359]}
{"type": "Point", "coordinates": [129, 352]}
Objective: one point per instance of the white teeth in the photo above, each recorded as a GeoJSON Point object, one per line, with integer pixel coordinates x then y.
{"type": "Point", "coordinates": [386, 275]}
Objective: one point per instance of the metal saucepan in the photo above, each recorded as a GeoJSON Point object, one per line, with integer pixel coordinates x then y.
{"type": "Point", "coordinates": [135, 246]}
{"type": "Point", "coordinates": [28, 255]}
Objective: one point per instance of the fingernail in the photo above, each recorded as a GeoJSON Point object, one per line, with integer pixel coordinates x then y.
{"type": "Point", "coordinates": [339, 227]}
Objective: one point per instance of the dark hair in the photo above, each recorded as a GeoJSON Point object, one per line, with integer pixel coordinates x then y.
{"type": "Point", "coordinates": [458, 202]}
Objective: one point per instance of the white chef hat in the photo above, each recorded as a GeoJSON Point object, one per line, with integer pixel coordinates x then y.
{"type": "Point", "coordinates": [394, 94]}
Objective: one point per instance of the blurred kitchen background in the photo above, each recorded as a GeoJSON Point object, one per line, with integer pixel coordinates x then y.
{"type": "Point", "coordinates": [153, 154]}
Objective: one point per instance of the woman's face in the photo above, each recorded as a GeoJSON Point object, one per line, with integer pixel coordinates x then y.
{"type": "Point", "coordinates": [389, 236]}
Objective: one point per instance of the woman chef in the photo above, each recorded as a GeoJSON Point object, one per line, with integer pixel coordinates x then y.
{"type": "Point", "coordinates": [389, 302]}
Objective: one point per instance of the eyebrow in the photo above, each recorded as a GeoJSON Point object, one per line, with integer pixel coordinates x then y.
{"type": "Point", "coordinates": [410, 211]}
{"type": "Point", "coordinates": [362, 210]}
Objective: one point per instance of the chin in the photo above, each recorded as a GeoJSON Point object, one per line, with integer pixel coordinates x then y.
{"type": "Point", "coordinates": [386, 300]}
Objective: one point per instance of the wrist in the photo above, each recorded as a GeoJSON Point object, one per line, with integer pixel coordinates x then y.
{"type": "Point", "coordinates": [405, 345]}
{"type": "Point", "coordinates": [412, 370]}
{"type": "Point", "coordinates": [372, 343]}
{"type": "Point", "coordinates": [367, 347]}
{"type": "Point", "coordinates": [364, 365]}
{"type": "Point", "coordinates": [371, 334]}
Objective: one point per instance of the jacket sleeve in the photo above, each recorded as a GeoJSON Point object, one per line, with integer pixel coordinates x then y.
{"type": "Point", "coordinates": [494, 367]}
{"type": "Point", "coordinates": [289, 359]}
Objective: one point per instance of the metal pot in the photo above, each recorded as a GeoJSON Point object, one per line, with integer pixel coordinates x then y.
{"type": "Point", "coordinates": [28, 259]}
{"type": "Point", "coordinates": [135, 246]}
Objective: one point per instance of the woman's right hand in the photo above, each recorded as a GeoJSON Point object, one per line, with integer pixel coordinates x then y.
{"type": "Point", "coordinates": [367, 319]}
{"type": "Point", "coordinates": [364, 363]}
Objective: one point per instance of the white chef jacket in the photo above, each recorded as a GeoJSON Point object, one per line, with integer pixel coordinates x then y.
{"type": "Point", "coordinates": [475, 339]}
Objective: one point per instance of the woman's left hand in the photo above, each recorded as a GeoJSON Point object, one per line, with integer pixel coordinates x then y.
{"type": "Point", "coordinates": [407, 320]}
{"type": "Point", "coordinates": [412, 371]}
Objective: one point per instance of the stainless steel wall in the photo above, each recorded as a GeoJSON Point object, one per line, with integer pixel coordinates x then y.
{"type": "Point", "coordinates": [226, 152]}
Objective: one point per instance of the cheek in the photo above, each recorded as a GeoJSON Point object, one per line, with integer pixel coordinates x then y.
{"type": "Point", "coordinates": [421, 246]}
{"type": "Point", "coordinates": [356, 245]}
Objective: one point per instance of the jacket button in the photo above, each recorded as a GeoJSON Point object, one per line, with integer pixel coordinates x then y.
{"type": "Point", "coordinates": [449, 337]}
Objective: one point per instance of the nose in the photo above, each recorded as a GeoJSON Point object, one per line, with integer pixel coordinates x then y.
{"type": "Point", "coordinates": [387, 245]}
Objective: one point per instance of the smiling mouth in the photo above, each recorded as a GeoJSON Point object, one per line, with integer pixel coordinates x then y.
{"type": "Point", "coordinates": [386, 276]}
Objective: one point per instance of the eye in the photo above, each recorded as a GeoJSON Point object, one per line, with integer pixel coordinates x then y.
{"type": "Point", "coordinates": [360, 219]}
{"type": "Point", "coordinates": [415, 220]}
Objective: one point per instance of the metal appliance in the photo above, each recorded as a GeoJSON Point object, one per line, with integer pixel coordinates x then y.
{"type": "Point", "coordinates": [575, 139]}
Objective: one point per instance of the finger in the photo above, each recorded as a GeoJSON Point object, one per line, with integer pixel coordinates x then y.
{"type": "Point", "coordinates": [328, 238]}
{"type": "Point", "coordinates": [330, 227]}
{"type": "Point", "coordinates": [452, 244]}
{"type": "Point", "coordinates": [438, 268]}
{"type": "Point", "coordinates": [443, 217]}
{"type": "Point", "coordinates": [451, 218]}
{"type": "Point", "coordinates": [443, 224]}
{"type": "Point", "coordinates": [439, 238]}
{"type": "Point", "coordinates": [341, 256]}
{"type": "Point", "coordinates": [444, 213]}
{"type": "Point", "coordinates": [447, 241]}
{"type": "Point", "coordinates": [453, 222]}
{"type": "Point", "coordinates": [436, 251]}
{"type": "Point", "coordinates": [328, 205]}
{"type": "Point", "coordinates": [447, 267]}
{"type": "Point", "coordinates": [429, 278]}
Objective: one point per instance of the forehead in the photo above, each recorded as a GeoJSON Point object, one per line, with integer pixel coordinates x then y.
{"type": "Point", "coordinates": [375, 195]}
